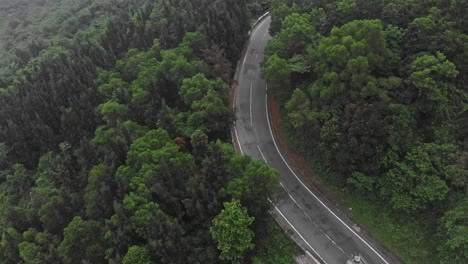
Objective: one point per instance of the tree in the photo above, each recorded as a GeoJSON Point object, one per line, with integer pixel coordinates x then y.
{"type": "Point", "coordinates": [295, 36]}
{"type": "Point", "coordinates": [455, 230]}
{"type": "Point", "coordinates": [55, 214]}
{"type": "Point", "coordinates": [208, 107]}
{"type": "Point", "coordinates": [9, 246]}
{"type": "Point", "coordinates": [163, 233]}
{"type": "Point", "coordinates": [298, 108]}
{"type": "Point", "coordinates": [253, 182]}
{"type": "Point", "coordinates": [137, 255]}
{"type": "Point", "coordinates": [39, 247]}
{"type": "Point", "coordinates": [230, 229]}
{"type": "Point", "coordinates": [278, 76]}
{"type": "Point", "coordinates": [437, 95]}
{"type": "Point", "coordinates": [83, 241]}
{"type": "Point", "coordinates": [112, 111]}
{"type": "Point", "coordinates": [349, 62]}
{"type": "Point", "coordinates": [419, 181]}
{"type": "Point", "coordinates": [99, 193]}
{"type": "Point", "coordinates": [195, 88]}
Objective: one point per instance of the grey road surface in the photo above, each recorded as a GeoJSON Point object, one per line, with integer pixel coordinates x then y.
{"type": "Point", "coordinates": [323, 229]}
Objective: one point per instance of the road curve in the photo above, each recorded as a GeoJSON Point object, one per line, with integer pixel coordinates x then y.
{"type": "Point", "coordinates": [320, 226]}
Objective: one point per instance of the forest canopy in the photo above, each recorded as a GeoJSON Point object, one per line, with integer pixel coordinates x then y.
{"type": "Point", "coordinates": [115, 134]}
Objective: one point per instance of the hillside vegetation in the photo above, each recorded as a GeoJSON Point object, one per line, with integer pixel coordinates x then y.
{"type": "Point", "coordinates": [374, 95]}
{"type": "Point", "coordinates": [115, 136]}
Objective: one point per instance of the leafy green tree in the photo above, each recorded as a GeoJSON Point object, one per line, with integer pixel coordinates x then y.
{"type": "Point", "coordinates": [348, 10]}
{"type": "Point", "coordinates": [111, 85]}
{"type": "Point", "coordinates": [214, 113]}
{"type": "Point", "coordinates": [199, 142]}
{"type": "Point", "coordinates": [39, 247]}
{"type": "Point", "coordinates": [298, 108]}
{"type": "Point", "coordinates": [230, 228]}
{"type": "Point", "coordinates": [195, 88]}
{"type": "Point", "coordinates": [112, 111]}
{"type": "Point", "coordinates": [55, 214]}
{"type": "Point", "coordinates": [208, 107]}
{"type": "Point", "coordinates": [436, 93]}
{"type": "Point", "coordinates": [348, 62]}
{"type": "Point", "coordinates": [295, 36]}
{"type": "Point", "coordinates": [137, 255]}
{"type": "Point", "coordinates": [82, 241]}
{"type": "Point", "coordinates": [419, 180]}
{"type": "Point", "coordinates": [9, 246]}
{"type": "Point", "coordinates": [176, 67]}
{"type": "Point", "coordinates": [253, 182]}
{"type": "Point", "coordinates": [400, 128]}
{"type": "Point", "coordinates": [277, 73]}
{"type": "Point", "coordinates": [280, 10]}
{"type": "Point", "coordinates": [99, 193]}
{"type": "Point", "coordinates": [455, 229]}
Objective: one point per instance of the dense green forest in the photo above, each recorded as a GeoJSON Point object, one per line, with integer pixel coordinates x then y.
{"type": "Point", "coordinates": [373, 94]}
{"type": "Point", "coordinates": [115, 136]}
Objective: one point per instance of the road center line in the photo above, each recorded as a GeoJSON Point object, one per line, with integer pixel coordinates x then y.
{"type": "Point", "coordinates": [251, 88]}
{"type": "Point", "coordinates": [299, 234]}
{"type": "Point", "coordinates": [315, 196]}
{"type": "Point", "coordinates": [261, 153]}
{"type": "Point", "coordinates": [304, 212]}
{"type": "Point", "coordinates": [320, 229]}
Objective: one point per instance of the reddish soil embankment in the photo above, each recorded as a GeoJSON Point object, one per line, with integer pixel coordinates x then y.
{"type": "Point", "coordinates": [296, 159]}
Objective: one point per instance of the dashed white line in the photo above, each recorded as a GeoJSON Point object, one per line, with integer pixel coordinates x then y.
{"type": "Point", "coordinates": [261, 153]}
{"type": "Point", "coordinates": [303, 211]}
{"type": "Point", "coordinates": [243, 63]}
{"type": "Point", "coordinates": [313, 195]}
{"type": "Point", "coordinates": [263, 156]}
{"type": "Point", "coordinates": [299, 234]}
{"type": "Point", "coordinates": [251, 88]}
{"type": "Point", "coordinates": [320, 229]}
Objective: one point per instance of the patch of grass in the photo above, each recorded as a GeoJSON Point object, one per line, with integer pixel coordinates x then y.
{"type": "Point", "coordinates": [276, 248]}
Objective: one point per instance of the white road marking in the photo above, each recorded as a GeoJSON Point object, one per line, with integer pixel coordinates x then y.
{"type": "Point", "coordinates": [259, 26]}
{"type": "Point", "coordinates": [299, 234]}
{"type": "Point", "coordinates": [261, 153]}
{"type": "Point", "coordinates": [300, 181]}
{"type": "Point", "coordinates": [303, 211]}
{"type": "Point", "coordinates": [315, 196]}
{"type": "Point", "coordinates": [320, 229]}
{"type": "Point", "coordinates": [251, 119]}
{"type": "Point", "coordinates": [243, 63]}
{"type": "Point", "coordinates": [312, 257]}
{"type": "Point", "coordinates": [238, 141]}
{"type": "Point", "coordinates": [290, 196]}
{"type": "Point", "coordinates": [256, 56]}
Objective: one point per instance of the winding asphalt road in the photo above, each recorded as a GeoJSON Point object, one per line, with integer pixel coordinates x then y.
{"type": "Point", "coordinates": [321, 228]}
